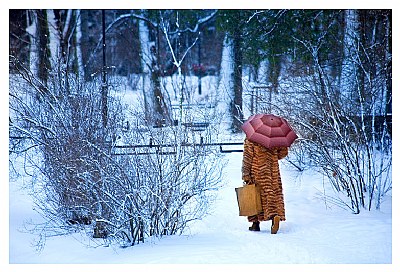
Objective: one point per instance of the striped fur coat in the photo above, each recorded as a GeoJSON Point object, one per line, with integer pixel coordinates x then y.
{"type": "Point", "coordinates": [260, 166]}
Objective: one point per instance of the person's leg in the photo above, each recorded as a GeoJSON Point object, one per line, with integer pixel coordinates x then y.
{"type": "Point", "coordinates": [255, 226]}
{"type": "Point", "coordinates": [275, 224]}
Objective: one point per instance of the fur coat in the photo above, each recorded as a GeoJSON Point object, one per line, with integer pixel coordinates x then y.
{"type": "Point", "coordinates": [260, 166]}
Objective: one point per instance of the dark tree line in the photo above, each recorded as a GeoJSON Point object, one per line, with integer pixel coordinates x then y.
{"type": "Point", "coordinates": [273, 37]}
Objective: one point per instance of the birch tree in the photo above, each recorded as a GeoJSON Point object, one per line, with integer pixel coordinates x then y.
{"type": "Point", "coordinates": [225, 85]}
{"type": "Point", "coordinates": [54, 40]}
{"type": "Point", "coordinates": [233, 22]}
{"type": "Point", "coordinates": [145, 60]}
{"type": "Point", "coordinates": [388, 69]}
{"type": "Point", "coordinates": [348, 77]}
{"type": "Point", "coordinates": [32, 21]}
{"type": "Point", "coordinates": [78, 37]}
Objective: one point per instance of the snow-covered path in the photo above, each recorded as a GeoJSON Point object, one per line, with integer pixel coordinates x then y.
{"type": "Point", "coordinates": [312, 233]}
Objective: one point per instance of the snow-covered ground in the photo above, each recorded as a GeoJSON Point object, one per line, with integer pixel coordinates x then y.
{"type": "Point", "coordinates": [314, 233]}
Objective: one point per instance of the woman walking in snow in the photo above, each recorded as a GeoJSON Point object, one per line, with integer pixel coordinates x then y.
{"type": "Point", "coordinates": [260, 167]}
{"type": "Point", "coordinates": [267, 140]}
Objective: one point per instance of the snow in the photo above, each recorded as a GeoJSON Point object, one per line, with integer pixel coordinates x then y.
{"type": "Point", "coordinates": [313, 233]}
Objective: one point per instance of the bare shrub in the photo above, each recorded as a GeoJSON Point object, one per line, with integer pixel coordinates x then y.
{"type": "Point", "coordinates": [81, 185]}
{"type": "Point", "coordinates": [346, 137]}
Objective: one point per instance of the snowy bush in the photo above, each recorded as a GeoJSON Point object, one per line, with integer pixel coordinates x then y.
{"type": "Point", "coordinates": [344, 134]}
{"type": "Point", "coordinates": [339, 144]}
{"type": "Point", "coordinates": [168, 186]}
{"type": "Point", "coordinates": [81, 185]}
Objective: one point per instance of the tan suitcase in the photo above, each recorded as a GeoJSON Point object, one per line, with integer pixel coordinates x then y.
{"type": "Point", "coordinates": [249, 200]}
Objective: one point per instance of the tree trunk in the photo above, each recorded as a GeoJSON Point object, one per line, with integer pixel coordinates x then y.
{"type": "Point", "coordinates": [54, 39]}
{"type": "Point", "coordinates": [157, 110]}
{"type": "Point", "coordinates": [31, 29]}
{"type": "Point", "coordinates": [348, 77]}
{"type": "Point", "coordinates": [145, 63]}
{"type": "Point", "coordinates": [388, 74]}
{"type": "Point", "coordinates": [274, 71]}
{"type": "Point", "coordinates": [225, 86]}
{"type": "Point", "coordinates": [236, 107]}
{"type": "Point", "coordinates": [44, 52]}
{"type": "Point", "coordinates": [78, 36]}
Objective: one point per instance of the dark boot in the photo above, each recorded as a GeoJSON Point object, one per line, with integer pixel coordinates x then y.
{"type": "Point", "coordinates": [255, 226]}
{"type": "Point", "coordinates": [275, 224]}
